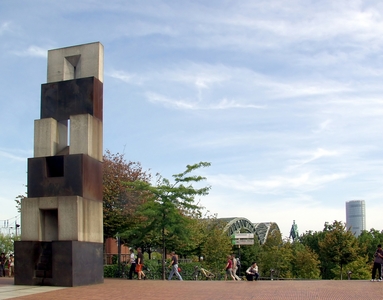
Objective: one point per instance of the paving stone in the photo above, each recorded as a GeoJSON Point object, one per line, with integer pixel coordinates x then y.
{"type": "Point", "coordinates": [155, 289]}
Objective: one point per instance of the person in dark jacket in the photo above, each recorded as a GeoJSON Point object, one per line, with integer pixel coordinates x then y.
{"type": "Point", "coordinates": [378, 260]}
{"type": "Point", "coordinates": [3, 260]}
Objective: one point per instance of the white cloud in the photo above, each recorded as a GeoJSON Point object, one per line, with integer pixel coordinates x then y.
{"type": "Point", "coordinates": [317, 154]}
{"type": "Point", "coordinates": [209, 86]}
{"type": "Point", "coordinates": [33, 51]}
{"type": "Point", "coordinates": [178, 104]}
{"type": "Point", "coordinates": [125, 77]}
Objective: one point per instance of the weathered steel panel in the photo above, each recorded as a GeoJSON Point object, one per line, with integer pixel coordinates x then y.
{"type": "Point", "coordinates": [60, 100]}
{"type": "Point", "coordinates": [67, 175]}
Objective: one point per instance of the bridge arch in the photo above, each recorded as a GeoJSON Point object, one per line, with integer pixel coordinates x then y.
{"type": "Point", "coordinates": [261, 230]}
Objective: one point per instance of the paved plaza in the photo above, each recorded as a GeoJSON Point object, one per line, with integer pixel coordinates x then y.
{"type": "Point", "coordinates": [155, 289]}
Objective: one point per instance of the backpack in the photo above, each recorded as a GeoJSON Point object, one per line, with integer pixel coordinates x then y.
{"type": "Point", "coordinates": [238, 263]}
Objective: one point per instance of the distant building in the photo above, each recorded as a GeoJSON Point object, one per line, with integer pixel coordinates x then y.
{"type": "Point", "coordinates": [356, 216]}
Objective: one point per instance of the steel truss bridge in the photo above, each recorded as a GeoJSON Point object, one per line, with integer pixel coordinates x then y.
{"type": "Point", "coordinates": [261, 230]}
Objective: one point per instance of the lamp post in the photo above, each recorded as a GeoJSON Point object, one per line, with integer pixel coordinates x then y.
{"type": "Point", "coordinates": [16, 226]}
{"type": "Point", "coordinates": [118, 255]}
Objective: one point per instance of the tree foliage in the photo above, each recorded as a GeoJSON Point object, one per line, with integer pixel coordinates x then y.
{"type": "Point", "coordinates": [368, 242]}
{"type": "Point", "coordinates": [359, 269]}
{"type": "Point", "coordinates": [305, 262]}
{"type": "Point", "coordinates": [275, 255]}
{"type": "Point", "coordinates": [248, 254]}
{"type": "Point", "coordinates": [120, 202]}
{"type": "Point", "coordinates": [311, 240]}
{"type": "Point", "coordinates": [7, 243]}
{"type": "Point", "coordinates": [216, 244]}
{"type": "Point", "coordinates": [18, 200]}
{"type": "Point", "coordinates": [339, 245]}
{"type": "Point", "coordinates": [169, 208]}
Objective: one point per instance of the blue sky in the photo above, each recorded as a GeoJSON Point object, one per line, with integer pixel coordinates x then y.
{"type": "Point", "coordinates": [284, 100]}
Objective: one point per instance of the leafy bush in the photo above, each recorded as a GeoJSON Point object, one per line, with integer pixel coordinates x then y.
{"type": "Point", "coordinates": [110, 271]}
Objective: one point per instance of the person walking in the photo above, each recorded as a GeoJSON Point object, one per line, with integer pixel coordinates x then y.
{"type": "Point", "coordinates": [174, 266]}
{"type": "Point", "coordinates": [229, 268]}
{"type": "Point", "coordinates": [378, 260]}
{"type": "Point", "coordinates": [3, 260]}
{"type": "Point", "coordinates": [235, 267]}
{"type": "Point", "coordinates": [140, 264]}
{"type": "Point", "coordinates": [132, 261]}
{"type": "Point", "coordinates": [11, 266]}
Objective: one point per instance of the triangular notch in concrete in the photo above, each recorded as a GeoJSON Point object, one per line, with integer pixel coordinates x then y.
{"type": "Point", "coordinates": [73, 59]}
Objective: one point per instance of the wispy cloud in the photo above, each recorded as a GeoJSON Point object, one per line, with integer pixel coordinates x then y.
{"type": "Point", "coordinates": [12, 156]}
{"type": "Point", "coordinates": [317, 154]}
{"type": "Point", "coordinates": [325, 125]}
{"type": "Point", "coordinates": [4, 27]}
{"type": "Point", "coordinates": [179, 104]}
{"type": "Point", "coordinates": [204, 86]}
{"type": "Point", "coordinates": [125, 76]}
{"type": "Point", "coordinates": [33, 51]}
{"type": "Point", "coordinates": [276, 184]}
{"type": "Point", "coordinates": [193, 105]}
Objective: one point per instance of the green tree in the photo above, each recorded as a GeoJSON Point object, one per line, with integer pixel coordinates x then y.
{"type": "Point", "coordinates": [311, 240]}
{"type": "Point", "coordinates": [216, 244]}
{"type": "Point", "coordinates": [168, 209]}
{"type": "Point", "coordinates": [249, 254]}
{"type": "Point", "coordinates": [368, 242]}
{"type": "Point", "coordinates": [119, 201]}
{"type": "Point", "coordinates": [7, 243]}
{"type": "Point", "coordinates": [339, 245]}
{"type": "Point", "coordinates": [359, 269]}
{"type": "Point", "coordinates": [276, 255]}
{"type": "Point", "coordinates": [305, 262]}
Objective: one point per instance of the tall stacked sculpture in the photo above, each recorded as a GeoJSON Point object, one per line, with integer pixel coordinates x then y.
{"type": "Point", "coordinates": [62, 230]}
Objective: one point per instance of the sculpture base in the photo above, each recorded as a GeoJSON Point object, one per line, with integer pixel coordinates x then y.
{"type": "Point", "coordinates": [58, 263]}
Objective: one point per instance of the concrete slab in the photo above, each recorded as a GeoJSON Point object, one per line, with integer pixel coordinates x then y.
{"type": "Point", "coordinates": [10, 291]}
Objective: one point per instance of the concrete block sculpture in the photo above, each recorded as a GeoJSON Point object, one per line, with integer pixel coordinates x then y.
{"type": "Point", "coordinates": [62, 219]}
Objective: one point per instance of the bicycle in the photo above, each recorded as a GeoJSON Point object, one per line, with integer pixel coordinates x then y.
{"type": "Point", "coordinates": [200, 272]}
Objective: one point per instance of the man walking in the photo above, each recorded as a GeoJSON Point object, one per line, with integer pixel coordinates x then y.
{"type": "Point", "coordinates": [174, 266]}
{"type": "Point", "coordinates": [235, 267]}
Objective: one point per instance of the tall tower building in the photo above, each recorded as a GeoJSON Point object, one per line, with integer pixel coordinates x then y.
{"type": "Point", "coordinates": [356, 216]}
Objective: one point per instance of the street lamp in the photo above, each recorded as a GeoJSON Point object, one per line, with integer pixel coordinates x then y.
{"type": "Point", "coordinates": [16, 226]}
{"type": "Point", "coordinates": [118, 255]}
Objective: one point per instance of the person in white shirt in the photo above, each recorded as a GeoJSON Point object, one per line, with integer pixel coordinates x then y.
{"type": "Point", "coordinates": [252, 272]}
{"type": "Point", "coordinates": [235, 267]}
{"type": "Point", "coordinates": [132, 262]}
